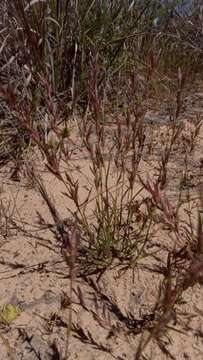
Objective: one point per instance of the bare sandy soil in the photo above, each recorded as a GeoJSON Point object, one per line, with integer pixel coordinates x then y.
{"type": "Point", "coordinates": [35, 277]}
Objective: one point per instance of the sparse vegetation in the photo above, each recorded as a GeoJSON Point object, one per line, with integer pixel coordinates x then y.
{"type": "Point", "coordinates": [96, 91]}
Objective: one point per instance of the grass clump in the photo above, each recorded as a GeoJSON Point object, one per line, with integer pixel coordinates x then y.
{"type": "Point", "coordinates": [106, 65]}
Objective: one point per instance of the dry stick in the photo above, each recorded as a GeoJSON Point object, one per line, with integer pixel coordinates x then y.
{"type": "Point", "coordinates": [56, 217]}
{"type": "Point", "coordinates": [71, 261]}
{"type": "Point", "coordinates": [70, 245]}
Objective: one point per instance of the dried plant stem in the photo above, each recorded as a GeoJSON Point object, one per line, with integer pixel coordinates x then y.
{"type": "Point", "coordinates": [70, 254]}
{"type": "Point", "coordinates": [69, 324]}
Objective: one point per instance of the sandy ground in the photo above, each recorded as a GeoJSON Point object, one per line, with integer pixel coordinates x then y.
{"type": "Point", "coordinates": [34, 277]}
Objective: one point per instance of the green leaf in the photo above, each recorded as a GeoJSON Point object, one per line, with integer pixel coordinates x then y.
{"type": "Point", "coordinates": [8, 313]}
